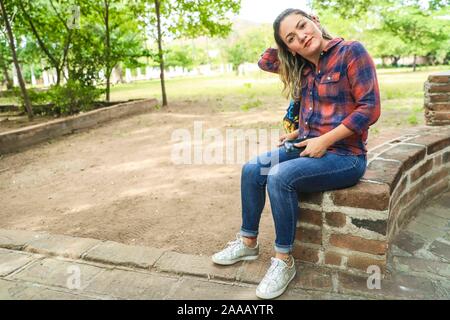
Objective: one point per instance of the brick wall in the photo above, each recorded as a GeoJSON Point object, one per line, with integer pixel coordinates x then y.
{"type": "Point", "coordinates": [351, 228]}
{"type": "Point", "coordinates": [16, 140]}
{"type": "Point", "coordinates": [437, 99]}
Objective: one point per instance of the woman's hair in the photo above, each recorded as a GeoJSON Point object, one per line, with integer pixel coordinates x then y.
{"type": "Point", "coordinates": [291, 66]}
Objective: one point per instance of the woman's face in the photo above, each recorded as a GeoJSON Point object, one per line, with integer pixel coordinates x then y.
{"type": "Point", "coordinates": [301, 35]}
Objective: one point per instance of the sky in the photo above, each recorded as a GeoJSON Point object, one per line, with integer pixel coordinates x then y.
{"type": "Point", "coordinates": [266, 11]}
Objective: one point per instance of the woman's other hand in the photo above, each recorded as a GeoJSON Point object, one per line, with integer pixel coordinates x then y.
{"type": "Point", "coordinates": [288, 136]}
{"type": "Point", "coordinates": [315, 147]}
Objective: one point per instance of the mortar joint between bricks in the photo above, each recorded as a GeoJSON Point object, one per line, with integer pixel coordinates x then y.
{"type": "Point", "coordinates": [389, 160]}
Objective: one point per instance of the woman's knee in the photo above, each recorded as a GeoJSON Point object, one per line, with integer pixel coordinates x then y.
{"type": "Point", "coordinates": [277, 177]}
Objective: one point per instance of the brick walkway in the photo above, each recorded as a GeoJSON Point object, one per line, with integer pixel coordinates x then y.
{"type": "Point", "coordinates": [43, 266]}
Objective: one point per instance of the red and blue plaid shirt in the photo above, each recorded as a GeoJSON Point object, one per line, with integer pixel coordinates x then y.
{"type": "Point", "coordinates": [343, 90]}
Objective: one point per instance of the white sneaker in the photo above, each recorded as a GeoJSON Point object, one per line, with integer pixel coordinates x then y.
{"type": "Point", "coordinates": [236, 251]}
{"type": "Point", "coordinates": [276, 279]}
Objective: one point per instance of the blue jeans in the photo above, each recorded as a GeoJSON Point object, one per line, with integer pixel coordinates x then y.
{"type": "Point", "coordinates": [287, 174]}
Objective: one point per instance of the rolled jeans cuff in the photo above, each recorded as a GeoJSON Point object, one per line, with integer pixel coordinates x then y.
{"type": "Point", "coordinates": [248, 233]}
{"type": "Point", "coordinates": [283, 249]}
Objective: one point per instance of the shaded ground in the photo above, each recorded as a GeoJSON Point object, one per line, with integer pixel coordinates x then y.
{"type": "Point", "coordinates": [118, 182]}
{"type": "Point", "coordinates": [422, 248]}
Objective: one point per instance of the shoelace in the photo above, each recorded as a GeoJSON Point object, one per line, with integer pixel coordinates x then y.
{"type": "Point", "coordinates": [232, 245]}
{"type": "Point", "coordinates": [274, 271]}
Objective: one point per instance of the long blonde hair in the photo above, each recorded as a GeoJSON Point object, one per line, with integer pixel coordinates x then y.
{"type": "Point", "coordinates": [291, 66]}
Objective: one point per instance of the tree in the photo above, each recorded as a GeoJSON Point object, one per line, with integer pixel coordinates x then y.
{"type": "Point", "coordinates": [12, 46]}
{"type": "Point", "coordinates": [247, 47]}
{"type": "Point", "coordinates": [47, 21]}
{"type": "Point", "coordinates": [188, 19]}
{"type": "Point", "coordinates": [5, 60]}
{"type": "Point", "coordinates": [393, 28]}
{"type": "Point", "coordinates": [347, 8]}
{"type": "Point", "coordinates": [385, 45]}
{"type": "Point", "coordinates": [115, 23]}
{"type": "Point", "coordinates": [417, 28]}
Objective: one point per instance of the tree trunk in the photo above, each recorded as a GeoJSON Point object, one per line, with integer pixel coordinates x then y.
{"type": "Point", "coordinates": [395, 60]}
{"type": "Point", "coordinates": [108, 51]}
{"type": "Point", "coordinates": [9, 82]}
{"type": "Point", "coordinates": [16, 62]}
{"type": "Point", "coordinates": [53, 61]}
{"type": "Point", "coordinates": [160, 53]}
{"type": "Point", "coordinates": [414, 63]}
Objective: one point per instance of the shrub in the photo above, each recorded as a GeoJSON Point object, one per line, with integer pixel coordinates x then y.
{"type": "Point", "coordinates": [73, 98]}
{"type": "Point", "coordinates": [68, 99]}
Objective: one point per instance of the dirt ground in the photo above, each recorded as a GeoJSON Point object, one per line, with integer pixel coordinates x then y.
{"type": "Point", "coordinates": [118, 182]}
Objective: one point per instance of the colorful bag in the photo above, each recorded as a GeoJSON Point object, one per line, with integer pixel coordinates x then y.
{"type": "Point", "coordinates": [290, 120]}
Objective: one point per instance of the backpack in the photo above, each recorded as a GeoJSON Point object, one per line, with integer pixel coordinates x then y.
{"type": "Point", "coordinates": [290, 120]}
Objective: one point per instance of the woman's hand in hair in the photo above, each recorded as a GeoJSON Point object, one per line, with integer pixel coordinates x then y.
{"type": "Point", "coordinates": [315, 147]}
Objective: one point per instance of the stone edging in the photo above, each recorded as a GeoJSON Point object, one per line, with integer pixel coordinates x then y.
{"type": "Point", "coordinates": [350, 229]}
{"type": "Point", "coordinates": [114, 255]}
{"type": "Point", "coordinates": [15, 140]}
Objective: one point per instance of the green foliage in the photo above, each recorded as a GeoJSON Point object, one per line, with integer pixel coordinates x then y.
{"type": "Point", "coordinates": [185, 56]}
{"type": "Point", "coordinates": [412, 119]}
{"type": "Point", "coordinates": [67, 99]}
{"type": "Point", "coordinates": [391, 28]}
{"type": "Point", "coordinates": [345, 8]}
{"type": "Point", "coordinates": [251, 104]}
{"type": "Point", "coordinates": [417, 28]}
{"type": "Point", "coordinates": [248, 47]}
{"type": "Point", "coordinates": [73, 98]}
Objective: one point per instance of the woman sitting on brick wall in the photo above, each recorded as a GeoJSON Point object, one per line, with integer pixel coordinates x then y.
{"type": "Point", "coordinates": [335, 84]}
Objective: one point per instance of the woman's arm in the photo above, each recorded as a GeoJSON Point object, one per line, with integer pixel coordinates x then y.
{"type": "Point", "coordinates": [269, 60]}
{"type": "Point", "coordinates": [364, 87]}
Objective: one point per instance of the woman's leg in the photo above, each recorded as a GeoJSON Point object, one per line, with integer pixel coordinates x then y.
{"type": "Point", "coordinates": [304, 174]}
{"type": "Point", "coordinates": [253, 187]}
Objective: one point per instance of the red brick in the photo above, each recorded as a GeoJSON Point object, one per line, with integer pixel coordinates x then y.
{"type": "Point", "coordinates": [309, 235]}
{"type": "Point", "coordinates": [437, 189]}
{"type": "Point", "coordinates": [439, 77]}
{"type": "Point", "coordinates": [435, 178]}
{"type": "Point", "coordinates": [433, 142]}
{"type": "Point", "coordinates": [311, 216]}
{"type": "Point", "coordinates": [399, 190]}
{"type": "Point", "coordinates": [438, 106]}
{"type": "Point", "coordinates": [434, 88]}
{"type": "Point", "coordinates": [388, 172]}
{"type": "Point", "coordinates": [362, 263]}
{"type": "Point", "coordinates": [333, 258]}
{"type": "Point", "coordinates": [412, 193]}
{"type": "Point", "coordinates": [335, 219]}
{"type": "Point", "coordinates": [441, 116]}
{"type": "Point", "coordinates": [311, 197]}
{"type": "Point", "coordinates": [438, 160]}
{"type": "Point", "coordinates": [305, 254]}
{"type": "Point", "coordinates": [409, 155]}
{"type": "Point", "coordinates": [446, 157]}
{"type": "Point", "coordinates": [358, 244]}
{"type": "Point", "coordinates": [423, 169]}
{"type": "Point", "coordinates": [439, 98]}
{"type": "Point", "coordinates": [363, 195]}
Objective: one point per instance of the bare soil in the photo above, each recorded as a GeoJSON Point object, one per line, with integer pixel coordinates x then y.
{"type": "Point", "coordinates": [118, 182]}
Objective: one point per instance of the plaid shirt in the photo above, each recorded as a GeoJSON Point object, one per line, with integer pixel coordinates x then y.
{"type": "Point", "coordinates": [343, 90]}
